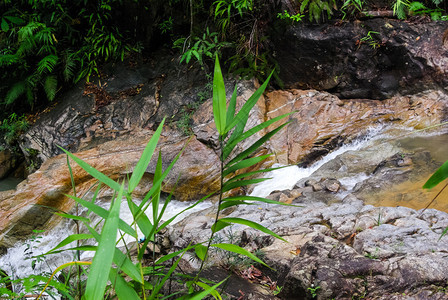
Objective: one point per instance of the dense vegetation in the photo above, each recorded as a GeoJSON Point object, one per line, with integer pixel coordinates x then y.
{"type": "Point", "coordinates": [46, 46]}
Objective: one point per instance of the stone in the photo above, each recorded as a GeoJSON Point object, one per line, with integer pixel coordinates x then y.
{"type": "Point", "coordinates": [411, 57]}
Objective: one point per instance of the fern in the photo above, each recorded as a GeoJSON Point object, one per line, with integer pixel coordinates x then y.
{"type": "Point", "coordinates": [15, 92]}
{"type": "Point", "coordinates": [47, 64]}
{"type": "Point", "coordinates": [50, 87]}
{"type": "Point", "coordinates": [69, 66]}
{"type": "Point", "coordinates": [399, 8]}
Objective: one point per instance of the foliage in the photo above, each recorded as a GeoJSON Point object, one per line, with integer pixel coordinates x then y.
{"type": "Point", "coordinates": [418, 8]}
{"type": "Point", "coordinates": [286, 16]}
{"type": "Point", "coordinates": [351, 7]}
{"type": "Point", "coordinates": [370, 40]}
{"type": "Point", "coordinates": [47, 45]}
{"type": "Point", "coordinates": [225, 10]}
{"type": "Point", "coordinates": [12, 127]}
{"type": "Point", "coordinates": [111, 264]}
{"type": "Point", "coordinates": [316, 9]}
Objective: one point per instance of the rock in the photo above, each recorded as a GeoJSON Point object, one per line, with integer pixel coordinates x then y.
{"type": "Point", "coordinates": [341, 250]}
{"type": "Point", "coordinates": [409, 57]}
{"type": "Point", "coordinates": [332, 185]}
{"type": "Point", "coordinates": [116, 159]}
{"type": "Point", "coordinates": [7, 162]}
{"type": "Point", "coordinates": [320, 124]}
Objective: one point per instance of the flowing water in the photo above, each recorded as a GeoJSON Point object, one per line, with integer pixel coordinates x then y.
{"type": "Point", "coordinates": [408, 193]}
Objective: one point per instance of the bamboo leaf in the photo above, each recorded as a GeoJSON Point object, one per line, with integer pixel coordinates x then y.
{"type": "Point", "coordinates": [255, 146]}
{"type": "Point", "coordinates": [210, 290]}
{"type": "Point", "coordinates": [234, 184]}
{"type": "Point", "coordinates": [94, 172]}
{"type": "Point", "coordinates": [440, 175]}
{"type": "Point", "coordinates": [70, 239]}
{"type": "Point", "coordinates": [121, 287]}
{"type": "Point", "coordinates": [245, 164]}
{"type": "Point", "coordinates": [219, 225]}
{"type": "Point", "coordinates": [144, 160]}
{"type": "Point", "coordinates": [243, 136]}
{"type": "Point", "coordinates": [257, 199]}
{"type": "Point", "coordinates": [201, 251]}
{"type": "Point", "coordinates": [252, 224]}
{"type": "Point", "coordinates": [219, 99]}
{"type": "Point", "coordinates": [102, 261]}
{"type": "Point", "coordinates": [125, 264]}
{"type": "Point", "coordinates": [239, 250]}
{"type": "Point", "coordinates": [243, 114]}
{"type": "Point", "coordinates": [227, 204]}
{"type": "Point", "coordinates": [243, 175]}
{"type": "Point", "coordinates": [140, 218]}
{"type": "Point", "coordinates": [73, 217]}
{"type": "Point", "coordinates": [232, 106]}
{"type": "Point", "coordinates": [103, 213]}
{"type": "Point", "coordinates": [156, 198]}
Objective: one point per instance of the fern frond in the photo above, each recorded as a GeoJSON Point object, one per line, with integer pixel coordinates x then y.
{"type": "Point", "coordinates": [47, 64]}
{"type": "Point", "coordinates": [70, 66]}
{"type": "Point", "coordinates": [50, 87]}
{"type": "Point", "coordinates": [15, 92]}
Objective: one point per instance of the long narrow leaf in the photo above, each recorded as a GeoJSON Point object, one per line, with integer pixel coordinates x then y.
{"type": "Point", "coordinates": [440, 175]}
{"type": "Point", "coordinates": [73, 217]}
{"type": "Point", "coordinates": [208, 290]}
{"type": "Point", "coordinates": [256, 199]}
{"type": "Point", "coordinates": [144, 160]}
{"type": "Point", "coordinates": [255, 146]}
{"type": "Point", "coordinates": [122, 288]}
{"type": "Point", "coordinates": [244, 175]}
{"type": "Point", "coordinates": [227, 204]}
{"type": "Point", "coordinates": [219, 99]}
{"type": "Point", "coordinates": [252, 224]}
{"type": "Point", "coordinates": [232, 107]}
{"type": "Point", "coordinates": [231, 144]}
{"type": "Point", "coordinates": [234, 184]}
{"type": "Point", "coordinates": [156, 198]}
{"type": "Point", "coordinates": [94, 172]}
{"type": "Point", "coordinates": [70, 239]}
{"type": "Point", "coordinates": [102, 261]}
{"type": "Point", "coordinates": [242, 115]}
{"type": "Point", "coordinates": [239, 250]}
{"type": "Point", "coordinates": [245, 164]}
{"type": "Point", "coordinates": [103, 213]}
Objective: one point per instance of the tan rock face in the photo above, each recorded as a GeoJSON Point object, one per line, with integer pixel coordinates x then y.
{"type": "Point", "coordinates": [7, 163]}
{"type": "Point", "coordinates": [322, 121]}
{"type": "Point", "coordinates": [194, 175]}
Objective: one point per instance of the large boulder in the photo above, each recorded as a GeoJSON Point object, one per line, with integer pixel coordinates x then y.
{"type": "Point", "coordinates": [394, 57]}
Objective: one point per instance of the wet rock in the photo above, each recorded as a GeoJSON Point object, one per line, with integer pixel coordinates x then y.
{"type": "Point", "coordinates": [408, 57]}
{"type": "Point", "coordinates": [7, 162]}
{"type": "Point", "coordinates": [320, 123]}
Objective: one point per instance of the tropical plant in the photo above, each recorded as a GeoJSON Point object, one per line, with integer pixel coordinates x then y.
{"type": "Point", "coordinates": [12, 127]}
{"type": "Point", "coordinates": [351, 7]}
{"type": "Point", "coordinates": [285, 15]}
{"type": "Point", "coordinates": [111, 265]}
{"type": "Point", "coordinates": [317, 8]}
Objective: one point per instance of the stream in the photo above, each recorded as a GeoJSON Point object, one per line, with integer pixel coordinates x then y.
{"type": "Point", "coordinates": [348, 164]}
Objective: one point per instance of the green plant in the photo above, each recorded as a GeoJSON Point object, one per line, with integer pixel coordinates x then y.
{"type": "Point", "coordinates": [399, 8]}
{"type": "Point", "coordinates": [373, 255]}
{"type": "Point", "coordinates": [313, 290]}
{"type": "Point", "coordinates": [12, 127]}
{"type": "Point", "coordinates": [111, 265]}
{"type": "Point", "coordinates": [370, 40]}
{"type": "Point", "coordinates": [351, 7]}
{"type": "Point", "coordinates": [166, 26]}
{"type": "Point", "coordinates": [226, 9]}
{"type": "Point", "coordinates": [293, 18]}
{"type": "Point", "coordinates": [316, 8]}
{"type": "Point", "coordinates": [208, 46]}
{"type": "Point", "coordinates": [418, 8]}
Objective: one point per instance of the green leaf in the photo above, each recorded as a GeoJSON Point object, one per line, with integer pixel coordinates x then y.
{"type": "Point", "coordinates": [144, 160]}
{"type": "Point", "coordinates": [239, 250]}
{"type": "Point", "coordinates": [232, 107]}
{"type": "Point", "coordinates": [94, 172]}
{"type": "Point", "coordinates": [4, 25]}
{"type": "Point", "coordinates": [73, 217]}
{"type": "Point", "coordinates": [210, 290]}
{"type": "Point", "coordinates": [201, 251]}
{"type": "Point", "coordinates": [140, 218]}
{"type": "Point", "coordinates": [102, 261]}
{"type": "Point", "coordinates": [440, 175]}
{"type": "Point", "coordinates": [156, 197]}
{"type": "Point", "coordinates": [226, 204]}
{"type": "Point", "coordinates": [17, 90]}
{"type": "Point", "coordinates": [243, 136]}
{"type": "Point", "coordinates": [234, 184]}
{"type": "Point", "coordinates": [126, 265]}
{"type": "Point", "coordinates": [50, 87]}
{"type": "Point", "coordinates": [219, 225]}
{"type": "Point", "coordinates": [255, 145]}
{"type": "Point", "coordinates": [70, 239]}
{"type": "Point", "coordinates": [122, 287]}
{"type": "Point", "coordinates": [245, 164]}
{"type": "Point", "coordinates": [242, 115]}
{"type": "Point", "coordinates": [257, 199]}
{"type": "Point", "coordinates": [243, 175]}
{"type": "Point", "coordinates": [252, 224]}
{"type": "Point", "coordinates": [103, 213]}
{"type": "Point", "coordinates": [219, 100]}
